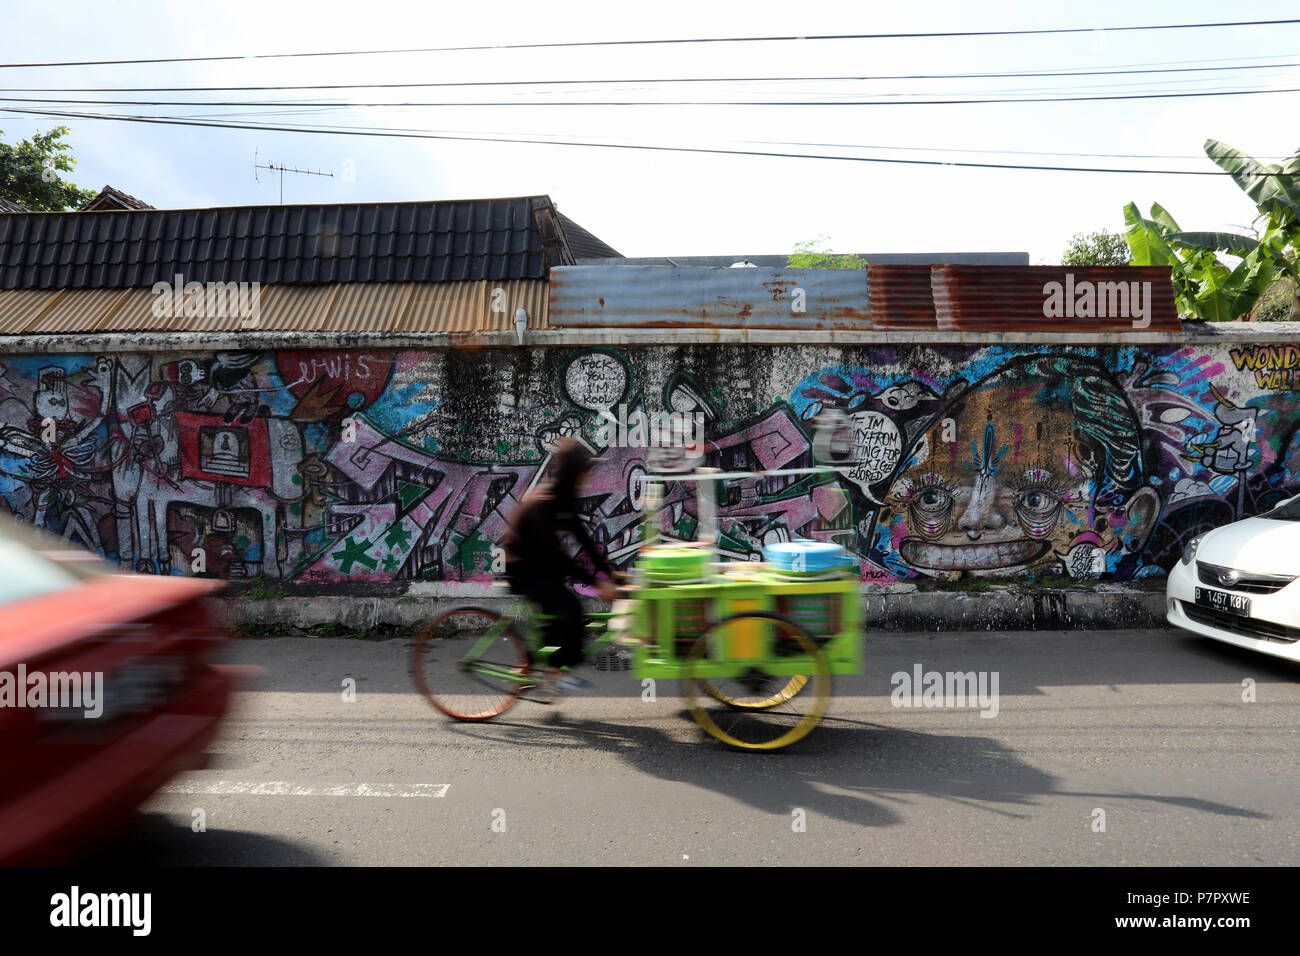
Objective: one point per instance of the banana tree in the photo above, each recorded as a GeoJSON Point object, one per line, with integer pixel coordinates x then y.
{"type": "Point", "coordinates": [1275, 190]}
{"type": "Point", "coordinates": [1204, 287]}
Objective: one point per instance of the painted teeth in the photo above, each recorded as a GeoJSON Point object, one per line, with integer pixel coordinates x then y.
{"type": "Point", "coordinates": [971, 557]}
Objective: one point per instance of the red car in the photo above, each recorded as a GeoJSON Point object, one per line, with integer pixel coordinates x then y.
{"type": "Point", "coordinates": [107, 690]}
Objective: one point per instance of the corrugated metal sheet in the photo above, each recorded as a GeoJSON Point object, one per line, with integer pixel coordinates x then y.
{"type": "Point", "coordinates": [368, 306]}
{"type": "Point", "coordinates": [20, 307]}
{"type": "Point", "coordinates": [296, 308]}
{"type": "Point", "coordinates": [780, 261]}
{"type": "Point", "coordinates": [132, 312]}
{"type": "Point", "coordinates": [615, 296]}
{"type": "Point", "coordinates": [475, 306]}
{"type": "Point", "coordinates": [463, 307]}
{"type": "Point", "coordinates": [901, 297]}
{"type": "Point", "coordinates": [1054, 298]}
{"type": "Point", "coordinates": [84, 312]}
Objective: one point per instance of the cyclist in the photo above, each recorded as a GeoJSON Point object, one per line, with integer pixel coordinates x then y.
{"type": "Point", "coordinates": [537, 563]}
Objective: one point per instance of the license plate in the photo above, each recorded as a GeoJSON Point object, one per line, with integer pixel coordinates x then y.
{"type": "Point", "coordinates": [1223, 601]}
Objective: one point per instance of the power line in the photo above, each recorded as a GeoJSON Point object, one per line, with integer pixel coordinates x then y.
{"type": "Point", "coordinates": [671, 149]}
{"type": "Point", "coordinates": [966, 101]}
{"type": "Point", "coordinates": [499, 136]}
{"type": "Point", "coordinates": [662, 42]}
{"type": "Point", "coordinates": [1027, 74]}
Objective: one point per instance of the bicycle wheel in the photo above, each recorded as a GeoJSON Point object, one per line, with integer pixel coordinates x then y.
{"type": "Point", "coordinates": [470, 663]}
{"type": "Point", "coordinates": [755, 709]}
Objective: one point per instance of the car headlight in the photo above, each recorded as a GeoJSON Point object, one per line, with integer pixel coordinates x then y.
{"type": "Point", "coordinates": [1189, 552]}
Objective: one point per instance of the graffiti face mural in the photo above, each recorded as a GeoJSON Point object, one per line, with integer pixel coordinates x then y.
{"type": "Point", "coordinates": [1038, 468]}
{"type": "Point", "coordinates": [351, 465]}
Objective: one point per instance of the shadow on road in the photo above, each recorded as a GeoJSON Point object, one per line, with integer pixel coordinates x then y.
{"type": "Point", "coordinates": [849, 770]}
{"type": "Point", "coordinates": [155, 839]}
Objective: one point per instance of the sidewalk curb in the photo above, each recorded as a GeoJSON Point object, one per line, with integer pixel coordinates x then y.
{"type": "Point", "coordinates": [1001, 608]}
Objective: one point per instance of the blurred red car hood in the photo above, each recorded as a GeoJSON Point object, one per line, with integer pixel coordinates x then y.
{"type": "Point", "coordinates": [31, 627]}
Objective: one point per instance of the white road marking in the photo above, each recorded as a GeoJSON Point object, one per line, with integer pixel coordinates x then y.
{"type": "Point", "coordinates": [283, 788]}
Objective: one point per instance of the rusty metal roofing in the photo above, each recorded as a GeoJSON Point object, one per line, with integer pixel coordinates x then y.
{"type": "Point", "coordinates": [614, 296]}
{"type": "Point", "coordinates": [1054, 298]}
{"type": "Point", "coordinates": [400, 307]}
{"type": "Point", "coordinates": [498, 239]}
{"type": "Point", "coordinates": [901, 297]}
{"type": "Point", "coordinates": [940, 297]}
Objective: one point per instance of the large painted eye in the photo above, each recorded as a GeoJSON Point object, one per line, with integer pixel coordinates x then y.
{"type": "Point", "coordinates": [933, 497]}
{"type": "Point", "coordinates": [1037, 510]}
{"type": "Point", "coordinates": [930, 510]}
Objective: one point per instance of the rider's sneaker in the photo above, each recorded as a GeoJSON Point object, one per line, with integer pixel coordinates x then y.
{"type": "Point", "coordinates": [568, 684]}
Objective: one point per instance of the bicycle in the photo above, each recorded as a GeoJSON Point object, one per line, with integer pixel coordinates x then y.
{"type": "Point", "coordinates": [754, 645]}
{"type": "Point", "coordinates": [753, 679]}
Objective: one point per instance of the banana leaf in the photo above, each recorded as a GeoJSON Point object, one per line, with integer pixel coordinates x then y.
{"type": "Point", "coordinates": [1144, 239]}
{"type": "Point", "coordinates": [1229, 242]}
{"type": "Point", "coordinates": [1274, 188]}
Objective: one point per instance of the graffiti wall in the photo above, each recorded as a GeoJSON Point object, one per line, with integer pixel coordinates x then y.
{"type": "Point", "coordinates": [370, 465]}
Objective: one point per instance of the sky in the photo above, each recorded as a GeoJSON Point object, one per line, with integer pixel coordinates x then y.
{"type": "Point", "coordinates": [646, 203]}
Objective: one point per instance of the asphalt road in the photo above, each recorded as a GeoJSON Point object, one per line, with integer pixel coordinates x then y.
{"type": "Point", "coordinates": [1149, 727]}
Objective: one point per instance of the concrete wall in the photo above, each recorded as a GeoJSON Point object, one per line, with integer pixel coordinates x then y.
{"type": "Point", "coordinates": [999, 460]}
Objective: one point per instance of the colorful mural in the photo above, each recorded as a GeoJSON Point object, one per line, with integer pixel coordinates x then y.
{"type": "Point", "coordinates": [373, 465]}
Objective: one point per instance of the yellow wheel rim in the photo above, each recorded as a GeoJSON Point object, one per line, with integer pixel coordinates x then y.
{"type": "Point", "coordinates": [797, 683]}
{"type": "Point", "coordinates": [820, 679]}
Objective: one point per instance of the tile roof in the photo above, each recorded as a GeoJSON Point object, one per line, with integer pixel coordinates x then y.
{"type": "Point", "coordinates": [583, 243]}
{"type": "Point", "coordinates": [8, 206]}
{"type": "Point", "coordinates": [447, 241]}
{"type": "Point", "coordinates": [110, 198]}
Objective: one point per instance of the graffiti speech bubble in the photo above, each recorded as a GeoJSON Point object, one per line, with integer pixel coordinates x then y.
{"type": "Point", "coordinates": [877, 447]}
{"type": "Point", "coordinates": [595, 381]}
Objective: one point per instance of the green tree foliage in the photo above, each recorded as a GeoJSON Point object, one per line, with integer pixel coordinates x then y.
{"type": "Point", "coordinates": [813, 254]}
{"type": "Point", "coordinates": [29, 173]}
{"type": "Point", "coordinates": [1277, 303]}
{"type": "Point", "coordinates": [1206, 287]}
{"type": "Point", "coordinates": [1103, 248]}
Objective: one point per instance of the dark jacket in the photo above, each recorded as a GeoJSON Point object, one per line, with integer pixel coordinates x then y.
{"type": "Point", "coordinates": [532, 544]}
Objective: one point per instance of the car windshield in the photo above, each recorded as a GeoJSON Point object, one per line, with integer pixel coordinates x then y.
{"type": "Point", "coordinates": [33, 563]}
{"type": "Point", "coordinates": [1287, 511]}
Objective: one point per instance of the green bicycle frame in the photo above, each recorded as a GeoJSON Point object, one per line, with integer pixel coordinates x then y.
{"type": "Point", "coordinates": [539, 656]}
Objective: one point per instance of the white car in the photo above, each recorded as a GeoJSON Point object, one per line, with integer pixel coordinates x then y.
{"type": "Point", "coordinates": [1241, 583]}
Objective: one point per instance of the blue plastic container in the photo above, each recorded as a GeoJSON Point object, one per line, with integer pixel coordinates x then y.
{"type": "Point", "coordinates": [806, 557]}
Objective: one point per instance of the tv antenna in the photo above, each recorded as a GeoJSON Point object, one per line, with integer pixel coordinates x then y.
{"type": "Point", "coordinates": [282, 169]}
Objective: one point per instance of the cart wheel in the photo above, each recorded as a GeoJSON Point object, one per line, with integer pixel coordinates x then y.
{"type": "Point", "coordinates": [796, 683]}
{"type": "Point", "coordinates": [463, 660]}
{"type": "Point", "coordinates": [755, 709]}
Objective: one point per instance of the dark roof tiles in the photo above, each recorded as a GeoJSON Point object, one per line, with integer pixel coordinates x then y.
{"type": "Point", "coordinates": [110, 198]}
{"type": "Point", "coordinates": [362, 242]}
{"type": "Point", "coordinates": [583, 243]}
